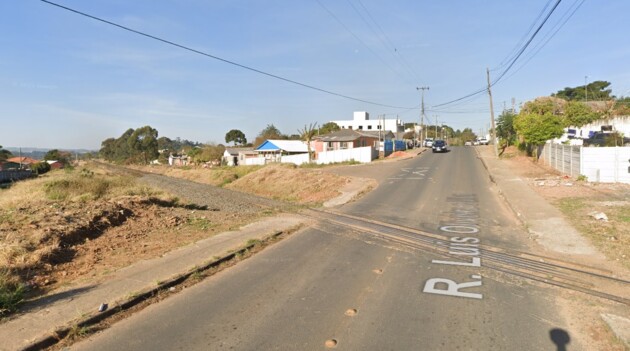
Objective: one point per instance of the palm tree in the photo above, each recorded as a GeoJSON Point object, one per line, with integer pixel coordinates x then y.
{"type": "Point", "coordinates": [307, 135]}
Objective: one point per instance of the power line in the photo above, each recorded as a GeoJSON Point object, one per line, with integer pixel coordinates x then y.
{"type": "Point", "coordinates": [304, 85]}
{"type": "Point", "coordinates": [550, 34]}
{"type": "Point", "coordinates": [359, 39]}
{"type": "Point", "coordinates": [391, 47]}
{"type": "Point", "coordinates": [514, 50]}
{"type": "Point", "coordinates": [516, 57]}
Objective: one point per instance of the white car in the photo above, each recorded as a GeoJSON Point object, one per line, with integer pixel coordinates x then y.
{"type": "Point", "coordinates": [428, 142]}
{"type": "Point", "coordinates": [468, 143]}
{"type": "Point", "coordinates": [483, 141]}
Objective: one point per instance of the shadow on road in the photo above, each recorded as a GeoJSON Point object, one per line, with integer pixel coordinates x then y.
{"type": "Point", "coordinates": [560, 338]}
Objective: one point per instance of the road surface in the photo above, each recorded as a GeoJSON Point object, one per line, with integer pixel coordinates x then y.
{"type": "Point", "coordinates": [401, 269]}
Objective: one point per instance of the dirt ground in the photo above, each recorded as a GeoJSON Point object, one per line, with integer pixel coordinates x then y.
{"type": "Point", "coordinates": [582, 203]}
{"type": "Point", "coordinates": [81, 225]}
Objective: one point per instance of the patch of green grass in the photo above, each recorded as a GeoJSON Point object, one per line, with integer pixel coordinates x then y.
{"type": "Point", "coordinates": [253, 242]}
{"type": "Point", "coordinates": [200, 223]}
{"type": "Point", "coordinates": [11, 293]}
{"type": "Point", "coordinates": [570, 205]}
{"type": "Point", "coordinates": [77, 332]}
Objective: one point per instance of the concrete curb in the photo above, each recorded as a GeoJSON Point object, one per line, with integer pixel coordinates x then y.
{"type": "Point", "coordinates": [136, 298]}
{"type": "Point", "coordinates": [620, 326]}
{"type": "Point", "coordinates": [44, 323]}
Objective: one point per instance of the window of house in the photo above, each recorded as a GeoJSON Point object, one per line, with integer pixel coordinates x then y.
{"type": "Point", "coordinates": [349, 127]}
{"type": "Point", "coordinates": [330, 144]}
{"type": "Point", "coordinates": [343, 145]}
{"type": "Point", "coordinates": [369, 127]}
{"type": "Point", "coordinates": [360, 127]}
{"type": "Point", "coordinates": [378, 127]}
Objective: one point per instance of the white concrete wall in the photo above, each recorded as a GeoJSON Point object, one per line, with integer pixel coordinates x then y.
{"type": "Point", "coordinates": [619, 123]}
{"type": "Point", "coordinates": [360, 154]}
{"type": "Point", "coordinates": [296, 159]}
{"type": "Point", "coordinates": [253, 161]}
{"type": "Point", "coordinates": [606, 164]}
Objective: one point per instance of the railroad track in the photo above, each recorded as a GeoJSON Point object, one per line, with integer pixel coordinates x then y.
{"type": "Point", "coordinates": [568, 275]}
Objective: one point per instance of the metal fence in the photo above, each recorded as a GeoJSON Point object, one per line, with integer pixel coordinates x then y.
{"type": "Point", "coordinates": [565, 158]}
{"type": "Point", "coordinates": [597, 164]}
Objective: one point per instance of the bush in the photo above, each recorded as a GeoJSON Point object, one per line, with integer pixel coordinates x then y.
{"type": "Point", "coordinates": [40, 167]}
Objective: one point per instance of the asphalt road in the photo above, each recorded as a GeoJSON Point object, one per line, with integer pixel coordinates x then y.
{"type": "Point", "coordinates": [332, 282]}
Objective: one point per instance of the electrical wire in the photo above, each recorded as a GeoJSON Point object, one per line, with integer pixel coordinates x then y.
{"type": "Point", "coordinates": [387, 44]}
{"type": "Point", "coordinates": [304, 85]}
{"type": "Point", "coordinates": [550, 34]}
{"type": "Point", "coordinates": [520, 42]}
{"type": "Point", "coordinates": [516, 57]}
{"type": "Point", "coordinates": [361, 41]}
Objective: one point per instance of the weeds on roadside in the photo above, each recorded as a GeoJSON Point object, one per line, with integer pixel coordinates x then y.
{"type": "Point", "coordinates": [11, 293]}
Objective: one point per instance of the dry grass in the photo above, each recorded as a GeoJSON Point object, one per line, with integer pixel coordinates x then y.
{"type": "Point", "coordinates": [217, 176]}
{"type": "Point", "coordinates": [36, 214]}
{"type": "Point", "coordinates": [612, 237]}
{"type": "Point", "coordinates": [289, 183]}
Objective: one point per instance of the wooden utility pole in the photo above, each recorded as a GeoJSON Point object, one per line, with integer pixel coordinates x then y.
{"type": "Point", "coordinates": [422, 115]}
{"type": "Point", "coordinates": [494, 132]}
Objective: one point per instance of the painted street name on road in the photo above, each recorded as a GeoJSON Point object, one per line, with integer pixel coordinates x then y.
{"type": "Point", "coordinates": [418, 173]}
{"type": "Point", "coordinates": [463, 222]}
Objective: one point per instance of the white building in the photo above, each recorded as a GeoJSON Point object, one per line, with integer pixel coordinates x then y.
{"type": "Point", "coordinates": [362, 121]}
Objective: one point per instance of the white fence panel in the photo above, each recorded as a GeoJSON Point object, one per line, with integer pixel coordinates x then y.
{"type": "Point", "coordinates": [606, 164]}
{"type": "Point", "coordinates": [297, 159]}
{"type": "Point", "coordinates": [564, 158]}
{"type": "Point", "coordinates": [359, 154]}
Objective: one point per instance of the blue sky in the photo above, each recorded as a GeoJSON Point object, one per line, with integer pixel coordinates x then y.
{"type": "Point", "coordinates": [70, 82]}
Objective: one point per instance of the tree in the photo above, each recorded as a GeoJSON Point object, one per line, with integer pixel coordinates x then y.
{"type": "Point", "coordinates": [307, 135]}
{"type": "Point", "coordinates": [593, 91]}
{"type": "Point", "coordinates": [328, 128]}
{"type": "Point", "coordinates": [210, 152]}
{"type": "Point", "coordinates": [505, 129]}
{"type": "Point", "coordinates": [143, 144]}
{"type": "Point", "coordinates": [538, 121]}
{"type": "Point", "coordinates": [235, 136]}
{"type": "Point", "coordinates": [577, 114]}
{"type": "Point", "coordinates": [56, 155]}
{"type": "Point", "coordinates": [270, 132]}
{"type": "Point", "coordinates": [4, 154]}
{"type": "Point", "coordinates": [468, 135]}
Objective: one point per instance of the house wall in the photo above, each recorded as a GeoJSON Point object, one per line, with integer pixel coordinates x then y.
{"type": "Point", "coordinates": [253, 161]}
{"type": "Point", "coordinates": [362, 121]}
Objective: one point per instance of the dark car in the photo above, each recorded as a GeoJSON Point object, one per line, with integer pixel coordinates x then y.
{"type": "Point", "coordinates": [606, 139]}
{"type": "Point", "coordinates": [439, 146]}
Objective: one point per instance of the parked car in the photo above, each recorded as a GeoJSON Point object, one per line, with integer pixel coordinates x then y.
{"type": "Point", "coordinates": [468, 143]}
{"type": "Point", "coordinates": [603, 139]}
{"type": "Point", "coordinates": [428, 142]}
{"type": "Point", "coordinates": [483, 141]}
{"type": "Point", "coordinates": [439, 146]}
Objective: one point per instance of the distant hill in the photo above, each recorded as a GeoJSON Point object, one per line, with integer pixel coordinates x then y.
{"type": "Point", "coordinates": [38, 153]}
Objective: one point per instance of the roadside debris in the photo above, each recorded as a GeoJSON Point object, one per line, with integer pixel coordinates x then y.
{"type": "Point", "coordinates": [600, 216]}
{"type": "Point", "coordinates": [102, 307]}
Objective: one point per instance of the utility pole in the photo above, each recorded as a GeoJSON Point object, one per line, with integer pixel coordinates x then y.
{"type": "Point", "coordinates": [436, 122]}
{"type": "Point", "coordinates": [585, 89]}
{"type": "Point", "coordinates": [422, 115]}
{"type": "Point", "coordinates": [494, 132]}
